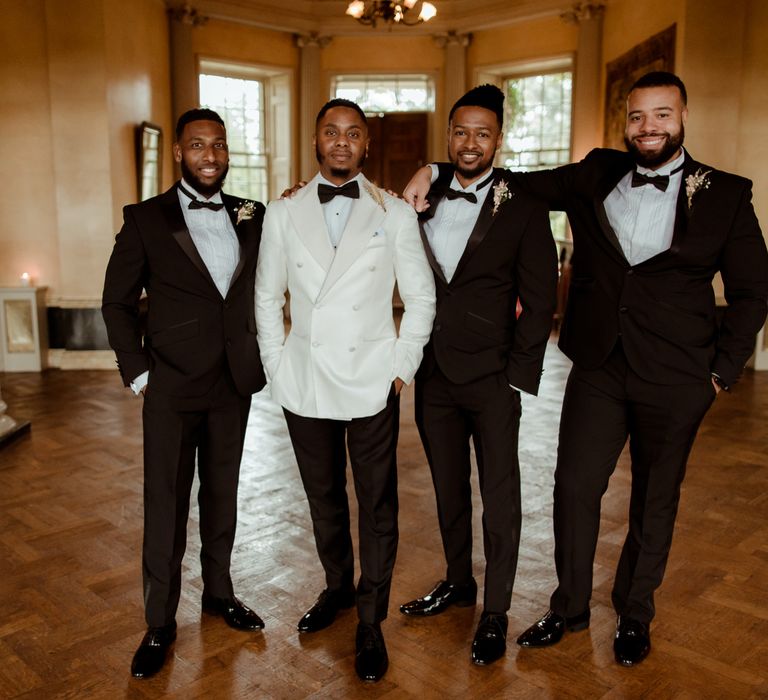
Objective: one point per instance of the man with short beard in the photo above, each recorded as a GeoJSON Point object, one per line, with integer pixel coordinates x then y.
{"type": "Point", "coordinates": [650, 228]}
{"type": "Point", "coordinates": [196, 363]}
{"type": "Point", "coordinates": [337, 247]}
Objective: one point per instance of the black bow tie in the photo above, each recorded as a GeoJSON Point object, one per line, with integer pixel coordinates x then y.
{"type": "Point", "coordinates": [660, 182]}
{"type": "Point", "coordinates": [328, 192]}
{"type": "Point", "coordinates": [460, 194]}
{"type": "Point", "coordinates": [469, 196]}
{"type": "Point", "coordinates": [199, 204]}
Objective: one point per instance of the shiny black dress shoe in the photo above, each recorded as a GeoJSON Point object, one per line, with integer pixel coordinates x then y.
{"type": "Point", "coordinates": [490, 641]}
{"type": "Point", "coordinates": [440, 598]}
{"type": "Point", "coordinates": [150, 656]}
{"type": "Point", "coordinates": [235, 614]}
{"type": "Point", "coordinates": [549, 629]}
{"type": "Point", "coordinates": [371, 660]}
{"type": "Point", "coordinates": [632, 641]}
{"type": "Point", "coordinates": [324, 611]}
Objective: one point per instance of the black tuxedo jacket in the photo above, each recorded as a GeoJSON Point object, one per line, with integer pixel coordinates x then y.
{"type": "Point", "coordinates": [192, 333]}
{"type": "Point", "coordinates": [510, 255]}
{"type": "Point", "coordinates": [664, 308]}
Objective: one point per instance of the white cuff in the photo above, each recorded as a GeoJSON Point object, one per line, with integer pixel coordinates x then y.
{"type": "Point", "coordinates": [140, 382]}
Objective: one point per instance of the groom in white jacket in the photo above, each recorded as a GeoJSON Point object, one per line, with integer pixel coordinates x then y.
{"type": "Point", "coordinates": [338, 247]}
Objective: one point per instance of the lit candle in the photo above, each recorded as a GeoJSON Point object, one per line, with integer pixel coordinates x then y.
{"type": "Point", "coordinates": [24, 279]}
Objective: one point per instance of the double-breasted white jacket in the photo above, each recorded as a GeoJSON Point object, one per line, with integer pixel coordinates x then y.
{"type": "Point", "coordinates": [343, 350]}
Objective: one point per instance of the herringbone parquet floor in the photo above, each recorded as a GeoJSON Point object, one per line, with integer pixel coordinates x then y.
{"type": "Point", "coordinates": [70, 588]}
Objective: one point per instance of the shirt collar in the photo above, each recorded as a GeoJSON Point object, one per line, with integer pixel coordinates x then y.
{"type": "Point", "coordinates": [482, 180]}
{"type": "Point", "coordinates": [665, 169]}
{"type": "Point", "coordinates": [358, 177]}
{"type": "Point", "coordinates": [215, 198]}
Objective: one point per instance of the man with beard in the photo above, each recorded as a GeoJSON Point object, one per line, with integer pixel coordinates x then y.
{"type": "Point", "coordinates": [193, 249]}
{"type": "Point", "coordinates": [337, 247]}
{"type": "Point", "coordinates": [651, 227]}
{"type": "Point", "coordinates": [489, 246]}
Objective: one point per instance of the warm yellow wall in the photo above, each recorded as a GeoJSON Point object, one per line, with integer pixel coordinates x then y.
{"type": "Point", "coordinates": [77, 79]}
{"type": "Point", "coordinates": [138, 89]}
{"type": "Point", "coordinates": [27, 198]}
{"type": "Point", "coordinates": [525, 41]}
{"type": "Point", "coordinates": [243, 43]}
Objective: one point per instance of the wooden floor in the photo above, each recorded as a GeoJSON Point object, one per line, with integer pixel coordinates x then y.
{"type": "Point", "coordinates": [70, 588]}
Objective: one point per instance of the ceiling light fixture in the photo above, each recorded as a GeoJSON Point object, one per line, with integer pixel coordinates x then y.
{"type": "Point", "coordinates": [390, 11]}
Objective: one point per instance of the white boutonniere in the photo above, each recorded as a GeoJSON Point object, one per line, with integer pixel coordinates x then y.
{"type": "Point", "coordinates": [376, 194]}
{"type": "Point", "coordinates": [245, 211]}
{"type": "Point", "coordinates": [501, 194]}
{"type": "Point", "coordinates": [694, 183]}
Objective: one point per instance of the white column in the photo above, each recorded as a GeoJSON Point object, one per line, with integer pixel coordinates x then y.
{"type": "Point", "coordinates": [184, 89]}
{"type": "Point", "coordinates": [587, 100]}
{"type": "Point", "coordinates": [455, 80]}
{"type": "Point", "coordinates": [311, 98]}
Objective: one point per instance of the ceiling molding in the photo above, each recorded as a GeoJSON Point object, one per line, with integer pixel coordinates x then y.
{"type": "Point", "coordinates": [327, 17]}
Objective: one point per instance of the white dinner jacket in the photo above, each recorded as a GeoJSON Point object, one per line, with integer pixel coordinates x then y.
{"type": "Point", "coordinates": [343, 351]}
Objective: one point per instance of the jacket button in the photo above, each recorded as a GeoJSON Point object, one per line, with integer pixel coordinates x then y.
{"type": "Point", "coordinates": [623, 309]}
{"type": "Point", "coordinates": [299, 264]}
{"type": "Point", "coordinates": [229, 343]}
{"type": "Point", "coordinates": [372, 267]}
{"type": "Point", "coordinates": [438, 327]}
{"type": "Point", "coordinates": [352, 349]}
{"type": "Point", "coordinates": [355, 308]}
{"type": "Point", "coordinates": [630, 272]}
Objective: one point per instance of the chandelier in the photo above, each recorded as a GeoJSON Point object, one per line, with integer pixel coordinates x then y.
{"type": "Point", "coordinates": [389, 11]}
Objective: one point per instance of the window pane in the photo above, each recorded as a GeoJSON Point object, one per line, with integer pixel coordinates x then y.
{"type": "Point", "coordinates": [241, 105]}
{"type": "Point", "coordinates": [538, 127]}
{"type": "Point", "coordinates": [386, 93]}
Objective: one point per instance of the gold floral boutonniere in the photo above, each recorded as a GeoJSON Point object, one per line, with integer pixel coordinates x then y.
{"type": "Point", "coordinates": [376, 194]}
{"type": "Point", "coordinates": [694, 183]}
{"type": "Point", "coordinates": [245, 211]}
{"type": "Point", "coordinates": [501, 194]}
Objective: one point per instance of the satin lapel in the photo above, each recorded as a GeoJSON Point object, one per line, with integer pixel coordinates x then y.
{"type": "Point", "coordinates": [434, 197]}
{"type": "Point", "coordinates": [178, 229]}
{"type": "Point", "coordinates": [430, 255]}
{"type": "Point", "coordinates": [364, 219]}
{"type": "Point", "coordinates": [306, 214]}
{"type": "Point", "coordinates": [483, 224]}
{"type": "Point", "coordinates": [682, 212]}
{"type": "Point", "coordinates": [231, 205]}
{"type": "Point", "coordinates": [605, 187]}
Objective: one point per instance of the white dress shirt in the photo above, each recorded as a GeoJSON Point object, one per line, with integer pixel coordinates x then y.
{"type": "Point", "coordinates": [450, 228]}
{"type": "Point", "coordinates": [214, 237]}
{"type": "Point", "coordinates": [337, 210]}
{"type": "Point", "coordinates": [643, 218]}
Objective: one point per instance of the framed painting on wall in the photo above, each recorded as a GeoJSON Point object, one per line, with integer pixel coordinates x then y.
{"type": "Point", "coordinates": [149, 159]}
{"type": "Point", "coordinates": [655, 53]}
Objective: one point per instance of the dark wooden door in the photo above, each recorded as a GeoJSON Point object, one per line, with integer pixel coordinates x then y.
{"type": "Point", "coordinates": [398, 148]}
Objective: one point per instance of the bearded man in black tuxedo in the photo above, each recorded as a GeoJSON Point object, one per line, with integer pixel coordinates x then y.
{"type": "Point", "coordinates": [490, 246]}
{"type": "Point", "coordinates": [193, 249]}
{"type": "Point", "coordinates": [651, 227]}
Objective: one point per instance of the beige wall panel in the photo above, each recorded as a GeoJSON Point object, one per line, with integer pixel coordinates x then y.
{"type": "Point", "coordinates": [532, 40]}
{"type": "Point", "coordinates": [27, 202]}
{"type": "Point", "coordinates": [138, 81]}
{"type": "Point", "coordinates": [240, 42]}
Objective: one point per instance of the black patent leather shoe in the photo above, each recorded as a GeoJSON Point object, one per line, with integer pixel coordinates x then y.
{"type": "Point", "coordinates": [153, 650]}
{"type": "Point", "coordinates": [235, 614]}
{"type": "Point", "coordinates": [490, 642]}
{"type": "Point", "coordinates": [371, 660]}
{"type": "Point", "coordinates": [632, 641]}
{"type": "Point", "coordinates": [324, 611]}
{"type": "Point", "coordinates": [440, 598]}
{"type": "Point", "coordinates": [549, 629]}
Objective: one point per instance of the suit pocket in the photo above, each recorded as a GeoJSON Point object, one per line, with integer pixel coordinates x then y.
{"type": "Point", "coordinates": [175, 334]}
{"type": "Point", "coordinates": [484, 327]}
